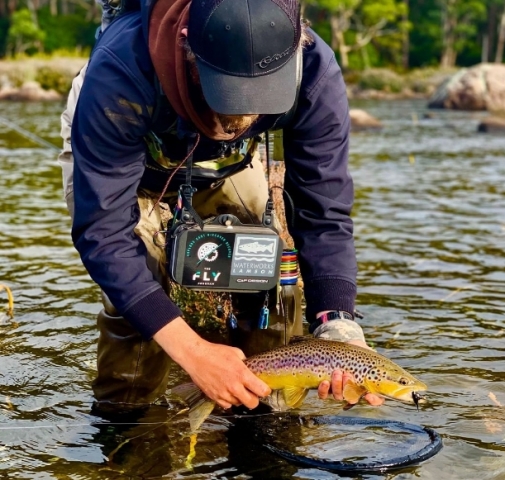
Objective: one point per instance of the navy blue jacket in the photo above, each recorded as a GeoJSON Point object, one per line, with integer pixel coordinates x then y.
{"type": "Point", "coordinates": [114, 114]}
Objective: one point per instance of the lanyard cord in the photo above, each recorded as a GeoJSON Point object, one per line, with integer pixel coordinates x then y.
{"type": "Point", "coordinates": [186, 191]}
{"type": "Point", "coordinates": [189, 159]}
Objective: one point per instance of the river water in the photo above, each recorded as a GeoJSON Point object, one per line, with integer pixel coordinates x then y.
{"type": "Point", "coordinates": [430, 237]}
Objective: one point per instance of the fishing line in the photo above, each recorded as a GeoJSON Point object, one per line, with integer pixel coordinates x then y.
{"type": "Point", "coordinates": [73, 425]}
{"type": "Point", "coordinates": [221, 419]}
{"type": "Point", "coordinates": [29, 135]}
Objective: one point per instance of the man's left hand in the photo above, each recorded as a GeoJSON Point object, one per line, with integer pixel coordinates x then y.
{"type": "Point", "coordinates": [340, 378]}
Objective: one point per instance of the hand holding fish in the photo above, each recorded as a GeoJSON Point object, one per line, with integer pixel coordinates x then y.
{"type": "Point", "coordinates": [221, 362]}
{"type": "Point", "coordinates": [348, 331]}
{"type": "Point", "coordinates": [208, 364]}
{"type": "Point", "coordinates": [339, 379]}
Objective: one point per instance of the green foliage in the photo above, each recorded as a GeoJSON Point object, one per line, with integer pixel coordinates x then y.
{"type": "Point", "coordinates": [365, 57]}
{"type": "Point", "coordinates": [4, 28]}
{"type": "Point", "coordinates": [438, 22]}
{"type": "Point", "coordinates": [386, 47]}
{"type": "Point", "coordinates": [466, 14]}
{"type": "Point", "coordinates": [425, 80]}
{"type": "Point", "coordinates": [51, 79]}
{"type": "Point", "coordinates": [372, 12]}
{"type": "Point", "coordinates": [66, 31]}
{"type": "Point", "coordinates": [382, 80]}
{"type": "Point", "coordinates": [24, 33]}
{"type": "Point", "coordinates": [374, 33]}
{"type": "Point", "coordinates": [426, 36]}
{"type": "Point", "coordinates": [318, 21]}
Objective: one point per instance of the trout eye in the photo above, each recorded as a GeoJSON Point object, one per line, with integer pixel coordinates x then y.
{"type": "Point", "coordinates": [403, 381]}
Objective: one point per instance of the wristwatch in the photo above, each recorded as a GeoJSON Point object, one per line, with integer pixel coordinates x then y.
{"type": "Point", "coordinates": [328, 316]}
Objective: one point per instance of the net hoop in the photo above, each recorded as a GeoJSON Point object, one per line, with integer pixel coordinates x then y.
{"type": "Point", "coordinates": [431, 440]}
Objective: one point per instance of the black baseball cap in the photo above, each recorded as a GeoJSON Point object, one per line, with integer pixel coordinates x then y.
{"type": "Point", "coordinates": [246, 53]}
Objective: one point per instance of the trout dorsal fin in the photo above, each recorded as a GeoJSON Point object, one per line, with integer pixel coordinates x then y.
{"type": "Point", "coordinates": [294, 396]}
{"type": "Point", "coordinates": [300, 338]}
{"type": "Point", "coordinates": [353, 392]}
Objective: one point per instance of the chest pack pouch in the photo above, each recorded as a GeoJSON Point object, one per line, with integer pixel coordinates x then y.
{"type": "Point", "coordinates": [222, 254]}
{"type": "Point", "coordinates": [225, 255]}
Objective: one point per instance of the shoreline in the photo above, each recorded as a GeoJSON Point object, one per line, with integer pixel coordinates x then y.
{"type": "Point", "coordinates": [55, 75]}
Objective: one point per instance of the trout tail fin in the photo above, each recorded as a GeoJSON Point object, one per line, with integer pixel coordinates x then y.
{"type": "Point", "coordinates": [200, 406]}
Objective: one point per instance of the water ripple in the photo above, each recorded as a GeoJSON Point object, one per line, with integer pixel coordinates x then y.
{"type": "Point", "coordinates": [430, 238]}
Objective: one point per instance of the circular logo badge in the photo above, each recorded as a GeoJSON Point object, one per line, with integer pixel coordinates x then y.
{"type": "Point", "coordinates": [208, 252]}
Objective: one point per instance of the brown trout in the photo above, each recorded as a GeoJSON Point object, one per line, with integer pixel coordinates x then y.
{"type": "Point", "coordinates": [294, 369]}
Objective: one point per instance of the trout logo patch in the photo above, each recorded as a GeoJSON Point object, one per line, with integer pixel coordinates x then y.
{"type": "Point", "coordinates": [254, 256]}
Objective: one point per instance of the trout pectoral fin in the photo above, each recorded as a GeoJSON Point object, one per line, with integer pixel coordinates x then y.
{"type": "Point", "coordinates": [353, 393]}
{"type": "Point", "coordinates": [294, 396]}
{"type": "Point", "coordinates": [200, 407]}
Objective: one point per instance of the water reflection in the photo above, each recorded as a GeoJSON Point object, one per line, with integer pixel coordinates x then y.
{"type": "Point", "coordinates": [430, 235]}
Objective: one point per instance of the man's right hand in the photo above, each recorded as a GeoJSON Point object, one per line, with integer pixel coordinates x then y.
{"type": "Point", "coordinates": [219, 370]}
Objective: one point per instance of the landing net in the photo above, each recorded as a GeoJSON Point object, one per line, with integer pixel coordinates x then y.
{"type": "Point", "coordinates": [351, 444]}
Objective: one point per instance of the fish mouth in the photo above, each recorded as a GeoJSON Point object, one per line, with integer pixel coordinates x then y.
{"type": "Point", "coordinates": [407, 397]}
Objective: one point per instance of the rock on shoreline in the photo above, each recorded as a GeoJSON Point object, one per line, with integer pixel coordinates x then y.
{"type": "Point", "coordinates": [29, 92]}
{"type": "Point", "coordinates": [362, 120]}
{"type": "Point", "coordinates": [481, 87]}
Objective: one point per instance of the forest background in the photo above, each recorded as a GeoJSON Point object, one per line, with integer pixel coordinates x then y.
{"type": "Point", "coordinates": [395, 34]}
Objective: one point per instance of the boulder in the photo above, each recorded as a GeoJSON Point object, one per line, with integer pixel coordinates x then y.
{"type": "Point", "coordinates": [492, 125]}
{"type": "Point", "coordinates": [361, 120]}
{"type": "Point", "coordinates": [478, 88]}
{"type": "Point", "coordinates": [29, 92]}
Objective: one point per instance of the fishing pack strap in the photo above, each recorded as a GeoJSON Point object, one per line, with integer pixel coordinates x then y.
{"type": "Point", "coordinates": [186, 192]}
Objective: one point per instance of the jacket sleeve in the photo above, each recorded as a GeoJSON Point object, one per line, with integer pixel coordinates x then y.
{"type": "Point", "coordinates": [318, 181]}
{"type": "Point", "coordinates": [111, 119]}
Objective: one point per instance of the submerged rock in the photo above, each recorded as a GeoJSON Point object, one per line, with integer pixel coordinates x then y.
{"type": "Point", "coordinates": [478, 88]}
{"type": "Point", "coordinates": [362, 120]}
{"type": "Point", "coordinates": [492, 125]}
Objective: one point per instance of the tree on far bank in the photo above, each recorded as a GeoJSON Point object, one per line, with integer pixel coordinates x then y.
{"type": "Point", "coordinates": [24, 33]}
{"type": "Point", "coordinates": [500, 46]}
{"type": "Point", "coordinates": [356, 23]}
{"type": "Point", "coordinates": [459, 24]}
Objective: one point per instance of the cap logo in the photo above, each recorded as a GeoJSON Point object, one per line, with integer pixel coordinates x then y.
{"type": "Point", "coordinates": [264, 62]}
